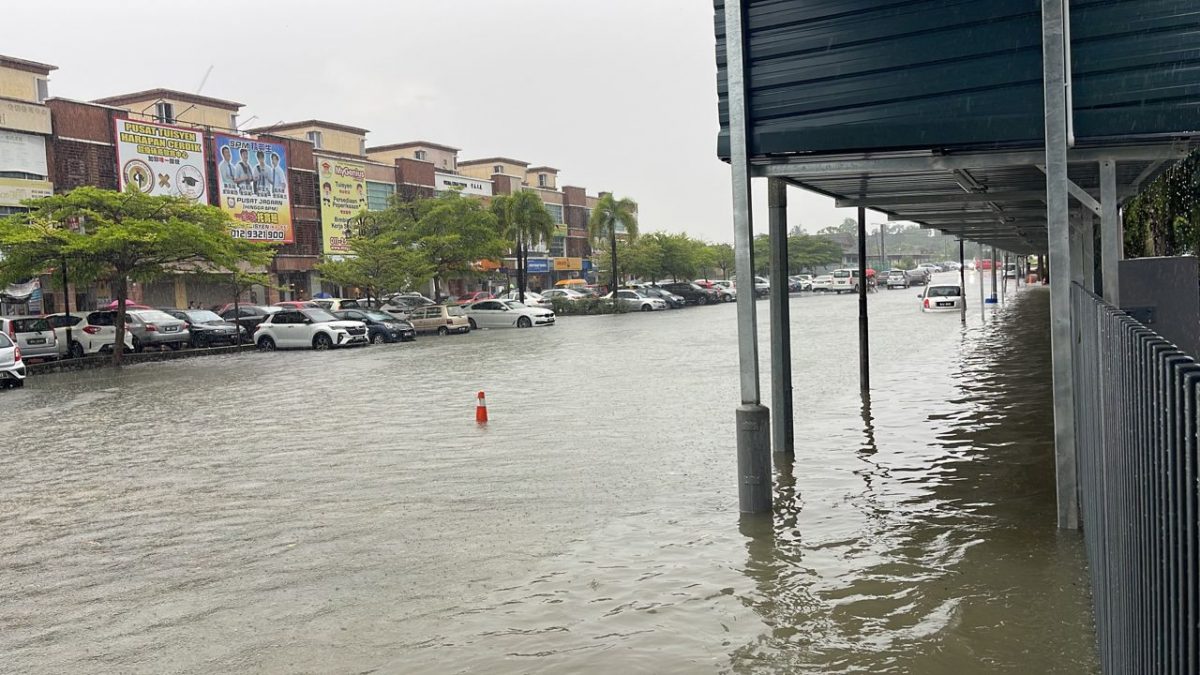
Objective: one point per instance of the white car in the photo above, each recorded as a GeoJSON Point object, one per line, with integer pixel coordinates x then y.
{"type": "Point", "coordinates": [725, 290]}
{"type": "Point", "coordinates": [931, 268]}
{"type": "Point", "coordinates": [12, 368]}
{"type": "Point", "coordinates": [762, 287]}
{"type": "Point", "coordinates": [93, 333]}
{"type": "Point", "coordinates": [635, 301]}
{"type": "Point", "coordinates": [567, 293]}
{"type": "Point", "coordinates": [942, 298]}
{"type": "Point", "coordinates": [506, 314]}
{"type": "Point", "coordinates": [845, 281]}
{"type": "Point", "coordinates": [308, 329]}
{"type": "Point", "coordinates": [822, 283]}
{"type": "Point", "coordinates": [531, 299]}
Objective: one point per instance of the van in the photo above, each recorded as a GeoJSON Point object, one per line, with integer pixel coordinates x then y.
{"type": "Point", "coordinates": [440, 319]}
{"type": "Point", "coordinates": [845, 281]}
{"type": "Point", "coordinates": [33, 335]}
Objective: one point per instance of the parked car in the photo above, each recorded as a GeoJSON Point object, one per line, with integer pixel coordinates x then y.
{"type": "Point", "coordinates": [725, 290]}
{"type": "Point", "coordinates": [496, 313]}
{"type": "Point", "coordinates": [931, 268]}
{"type": "Point", "coordinates": [822, 283]}
{"type": "Point", "coordinates": [897, 279]}
{"type": "Point", "coordinates": [801, 282]}
{"type": "Point", "coordinates": [565, 293]}
{"type": "Point", "coordinates": [942, 298]}
{"type": "Point", "coordinates": [205, 327]}
{"type": "Point", "coordinates": [693, 294]}
{"type": "Point", "coordinates": [409, 298]}
{"type": "Point", "coordinates": [296, 304]}
{"type": "Point", "coordinates": [381, 326]}
{"type": "Point", "coordinates": [33, 334]}
{"type": "Point", "coordinates": [919, 276]}
{"type": "Point", "coordinates": [248, 317]}
{"type": "Point", "coordinates": [635, 301]}
{"type": "Point", "coordinates": [308, 329]}
{"type": "Point", "coordinates": [95, 333]}
{"type": "Point", "coordinates": [155, 328]}
{"type": "Point", "coordinates": [12, 365]}
{"type": "Point", "coordinates": [673, 301]}
{"type": "Point", "coordinates": [531, 299]}
{"type": "Point", "coordinates": [440, 319]}
{"type": "Point", "coordinates": [845, 281]}
{"type": "Point", "coordinates": [337, 304]}
{"type": "Point", "coordinates": [1010, 270]}
{"type": "Point", "coordinates": [951, 266]}
{"type": "Point", "coordinates": [762, 287]}
{"type": "Point", "coordinates": [468, 298]}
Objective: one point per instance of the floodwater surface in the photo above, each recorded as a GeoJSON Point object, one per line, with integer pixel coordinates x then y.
{"type": "Point", "coordinates": [301, 512]}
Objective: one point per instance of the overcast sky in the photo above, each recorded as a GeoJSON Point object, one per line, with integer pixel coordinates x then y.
{"type": "Point", "coordinates": [619, 95]}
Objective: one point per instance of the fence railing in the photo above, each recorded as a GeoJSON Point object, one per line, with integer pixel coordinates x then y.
{"type": "Point", "coordinates": [1136, 412]}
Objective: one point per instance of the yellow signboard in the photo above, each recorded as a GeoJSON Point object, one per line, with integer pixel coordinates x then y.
{"type": "Point", "coordinates": [568, 264]}
{"type": "Point", "coordinates": [342, 186]}
{"type": "Point", "coordinates": [14, 190]}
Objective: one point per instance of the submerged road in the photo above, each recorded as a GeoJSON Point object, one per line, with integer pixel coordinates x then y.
{"type": "Point", "coordinates": [342, 513]}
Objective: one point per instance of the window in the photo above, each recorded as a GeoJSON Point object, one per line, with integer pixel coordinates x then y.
{"type": "Point", "coordinates": [419, 154]}
{"type": "Point", "coordinates": [314, 137]}
{"type": "Point", "coordinates": [379, 195]}
{"type": "Point", "coordinates": [492, 305]}
{"type": "Point", "coordinates": [555, 211]}
{"type": "Point", "coordinates": [43, 89]}
{"type": "Point", "coordinates": [499, 168]}
{"type": "Point", "coordinates": [541, 180]}
{"type": "Point", "coordinates": [233, 120]}
{"type": "Point", "coordinates": [165, 112]}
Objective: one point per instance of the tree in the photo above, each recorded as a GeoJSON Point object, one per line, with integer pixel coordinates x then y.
{"type": "Point", "coordinates": [1164, 219]}
{"type": "Point", "coordinates": [524, 221]}
{"type": "Point", "coordinates": [453, 233]}
{"type": "Point", "coordinates": [379, 260]}
{"type": "Point", "coordinates": [609, 217]}
{"type": "Point", "coordinates": [643, 258]}
{"type": "Point", "coordinates": [722, 258]}
{"type": "Point", "coordinates": [129, 236]}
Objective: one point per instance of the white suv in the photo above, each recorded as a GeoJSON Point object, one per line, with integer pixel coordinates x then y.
{"type": "Point", "coordinates": [310, 328]}
{"type": "Point", "coordinates": [95, 334]}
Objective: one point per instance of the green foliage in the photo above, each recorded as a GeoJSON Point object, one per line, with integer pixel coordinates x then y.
{"type": "Point", "coordinates": [1164, 219]}
{"type": "Point", "coordinates": [523, 222]}
{"type": "Point", "coordinates": [123, 237]}
{"type": "Point", "coordinates": [608, 217]}
{"type": "Point", "coordinates": [806, 252]}
{"type": "Point", "coordinates": [565, 307]}
{"type": "Point", "coordinates": [721, 258]}
{"type": "Point", "coordinates": [379, 261]}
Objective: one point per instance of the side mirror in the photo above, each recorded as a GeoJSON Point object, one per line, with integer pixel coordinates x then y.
{"type": "Point", "coordinates": [920, 295]}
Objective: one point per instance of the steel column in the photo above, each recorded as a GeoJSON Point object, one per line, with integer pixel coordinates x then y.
{"type": "Point", "coordinates": [782, 432]}
{"type": "Point", "coordinates": [753, 419]}
{"type": "Point", "coordinates": [1087, 231]}
{"type": "Point", "coordinates": [1112, 234]}
{"type": "Point", "coordinates": [864, 348]}
{"type": "Point", "coordinates": [1059, 238]}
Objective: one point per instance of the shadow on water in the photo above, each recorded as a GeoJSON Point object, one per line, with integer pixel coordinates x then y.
{"type": "Point", "coordinates": [957, 566]}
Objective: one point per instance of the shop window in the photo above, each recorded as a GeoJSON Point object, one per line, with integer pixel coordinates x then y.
{"type": "Point", "coordinates": [164, 112]}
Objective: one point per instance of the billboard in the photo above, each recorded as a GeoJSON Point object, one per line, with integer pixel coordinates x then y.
{"type": "Point", "coordinates": [252, 184]}
{"type": "Point", "coordinates": [537, 265]}
{"type": "Point", "coordinates": [15, 190]}
{"type": "Point", "coordinates": [23, 153]}
{"type": "Point", "coordinates": [342, 185]}
{"type": "Point", "coordinates": [161, 160]}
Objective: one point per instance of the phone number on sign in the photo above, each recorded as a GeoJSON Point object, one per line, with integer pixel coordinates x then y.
{"type": "Point", "coordinates": [268, 235]}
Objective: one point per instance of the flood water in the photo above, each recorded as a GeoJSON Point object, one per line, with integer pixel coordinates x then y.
{"type": "Point", "coordinates": [301, 512]}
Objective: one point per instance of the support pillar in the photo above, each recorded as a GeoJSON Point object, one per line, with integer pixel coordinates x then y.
{"type": "Point", "coordinates": [782, 432]}
{"type": "Point", "coordinates": [1112, 233]}
{"type": "Point", "coordinates": [1054, 83]}
{"type": "Point", "coordinates": [993, 297]}
{"type": "Point", "coordinates": [753, 429]}
{"type": "Point", "coordinates": [1087, 233]}
{"type": "Point", "coordinates": [864, 347]}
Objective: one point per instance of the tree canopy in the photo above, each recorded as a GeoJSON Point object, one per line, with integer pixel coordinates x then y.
{"type": "Point", "coordinates": [524, 222]}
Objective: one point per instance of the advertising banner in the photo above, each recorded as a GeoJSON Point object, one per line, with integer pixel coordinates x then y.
{"type": "Point", "coordinates": [24, 117]}
{"type": "Point", "coordinates": [252, 182]}
{"type": "Point", "coordinates": [161, 160]}
{"type": "Point", "coordinates": [537, 265]}
{"type": "Point", "coordinates": [342, 185]}
{"type": "Point", "coordinates": [15, 190]}
{"type": "Point", "coordinates": [23, 153]}
{"type": "Point", "coordinates": [568, 264]}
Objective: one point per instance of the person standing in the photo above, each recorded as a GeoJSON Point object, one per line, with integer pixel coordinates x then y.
{"type": "Point", "coordinates": [262, 178]}
{"type": "Point", "coordinates": [225, 169]}
{"type": "Point", "coordinates": [278, 176]}
{"type": "Point", "coordinates": [243, 175]}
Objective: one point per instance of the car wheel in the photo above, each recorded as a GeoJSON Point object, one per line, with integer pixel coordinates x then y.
{"type": "Point", "coordinates": [703, 300]}
{"type": "Point", "coordinates": [16, 384]}
{"type": "Point", "coordinates": [137, 345]}
{"type": "Point", "coordinates": [266, 343]}
{"type": "Point", "coordinates": [443, 331]}
{"type": "Point", "coordinates": [76, 351]}
{"type": "Point", "coordinates": [378, 339]}
{"type": "Point", "coordinates": [472, 324]}
{"type": "Point", "coordinates": [524, 322]}
{"type": "Point", "coordinates": [322, 342]}
{"type": "Point", "coordinates": [175, 346]}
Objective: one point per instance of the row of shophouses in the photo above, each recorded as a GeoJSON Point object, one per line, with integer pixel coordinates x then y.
{"type": "Point", "coordinates": [295, 184]}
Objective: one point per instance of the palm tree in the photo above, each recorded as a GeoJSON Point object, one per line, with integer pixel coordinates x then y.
{"type": "Point", "coordinates": [523, 220]}
{"type": "Point", "coordinates": [608, 217]}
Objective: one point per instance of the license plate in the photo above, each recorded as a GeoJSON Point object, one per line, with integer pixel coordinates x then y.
{"type": "Point", "coordinates": [36, 341]}
{"type": "Point", "coordinates": [171, 329]}
{"type": "Point", "coordinates": [945, 304]}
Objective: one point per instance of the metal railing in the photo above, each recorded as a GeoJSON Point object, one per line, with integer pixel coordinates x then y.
{"type": "Point", "coordinates": [1136, 416]}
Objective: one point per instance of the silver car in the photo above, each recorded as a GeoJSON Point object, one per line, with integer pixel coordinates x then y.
{"type": "Point", "coordinates": [633, 301]}
{"type": "Point", "coordinates": [12, 368]}
{"type": "Point", "coordinates": [33, 334]}
{"type": "Point", "coordinates": [942, 298]}
{"type": "Point", "coordinates": [153, 328]}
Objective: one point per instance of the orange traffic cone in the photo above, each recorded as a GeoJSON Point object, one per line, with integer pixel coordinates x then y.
{"type": "Point", "coordinates": [481, 416]}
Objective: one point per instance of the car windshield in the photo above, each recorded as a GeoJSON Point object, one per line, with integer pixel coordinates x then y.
{"type": "Point", "coordinates": [944, 292]}
{"type": "Point", "coordinates": [456, 311]}
{"type": "Point", "coordinates": [318, 315]}
{"type": "Point", "coordinates": [203, 316]}
{"type": "Point", "coordinates": [379, 316]}
{"type": "Point", "coordinates": [153, 315]}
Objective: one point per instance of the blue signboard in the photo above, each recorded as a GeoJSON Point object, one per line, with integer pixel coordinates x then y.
{"type": "Point", "coordinates": [587, 265]}
{"type": "Point", "coordinates": [537, 265]}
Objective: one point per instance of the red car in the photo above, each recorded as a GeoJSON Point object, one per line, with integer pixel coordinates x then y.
{"type": "Point", "coordinates": [297, 304]}
{"type": "Point", "coordinates": [472, 297]}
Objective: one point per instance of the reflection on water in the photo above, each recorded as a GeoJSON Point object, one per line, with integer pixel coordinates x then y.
{"type": "Point", "coordinates": [341, 512]}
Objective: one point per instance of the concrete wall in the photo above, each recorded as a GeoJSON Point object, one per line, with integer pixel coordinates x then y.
{"type": "Point", "coordinates": [531, 179]}
{"type": "Point", "coordinates": [186, 114]}
{"type": "Point", "coordinates": [444, 160]}
{"type": "Point", "coordinates": [334, 140]}
{"type": "Point", "coordinates": [486, 170]}
{"type": "Point", "coordinates": [19, 84]}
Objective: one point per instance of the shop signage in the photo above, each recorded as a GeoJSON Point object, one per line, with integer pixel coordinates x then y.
{"type": "Point", "coordinates": [24, 117]}
{"type": "Point", "coordinates": [15, 190]}
{"type": "Point", "coordinates": [161, 160]}
{"type": "Point", "coordinates": [537, 265]}
{"type": "Point", "coordinates": [444, 182]}
{"type": "Point", "coordinates": [23, 153]}
{"type": "Point", "coordinates": [342, 186]}
{"type": "Point", "coordinates": [568, 264]}
{"type": "Point", "coordinates": [252, 182]}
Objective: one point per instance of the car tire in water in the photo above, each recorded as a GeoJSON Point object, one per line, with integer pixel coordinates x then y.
{"type": "Point", "coordinates": [703, 300]}
{"type": "Point", "coordinates": [16, 384]}
{"type": "Point", "coordinates": [443, 331]}
{"type": "Point", "coordinates": [266, 344]}
{"type": "Point", "coordinates": [175, 346]}
{"type": "Point", "coordinates": [378, 339]}
{"type": "Point", "coordinates": [137, 345]}
{"type": "Point", "coordinates": [524, 322]}
{"type": "Point", "coordinates": [322, 342]}
{"type": "Point", "coordinates": [76, 350]}
{"type": "Point", "coordinates": [471, 323]}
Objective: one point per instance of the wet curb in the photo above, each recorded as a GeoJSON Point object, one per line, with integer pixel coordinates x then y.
{"type": "Point", "coordinates": [94, 362]}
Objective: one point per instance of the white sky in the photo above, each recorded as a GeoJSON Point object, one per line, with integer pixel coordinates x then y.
{"type": "Point", "coordinates": [619, 95]}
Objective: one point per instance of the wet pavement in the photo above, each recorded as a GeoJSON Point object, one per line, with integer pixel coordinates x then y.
{"type": "Point", "coordinates": [342, 513]}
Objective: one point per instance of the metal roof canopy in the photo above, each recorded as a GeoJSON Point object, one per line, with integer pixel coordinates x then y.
{"type": "Point", "coordinates": [997, 198]}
